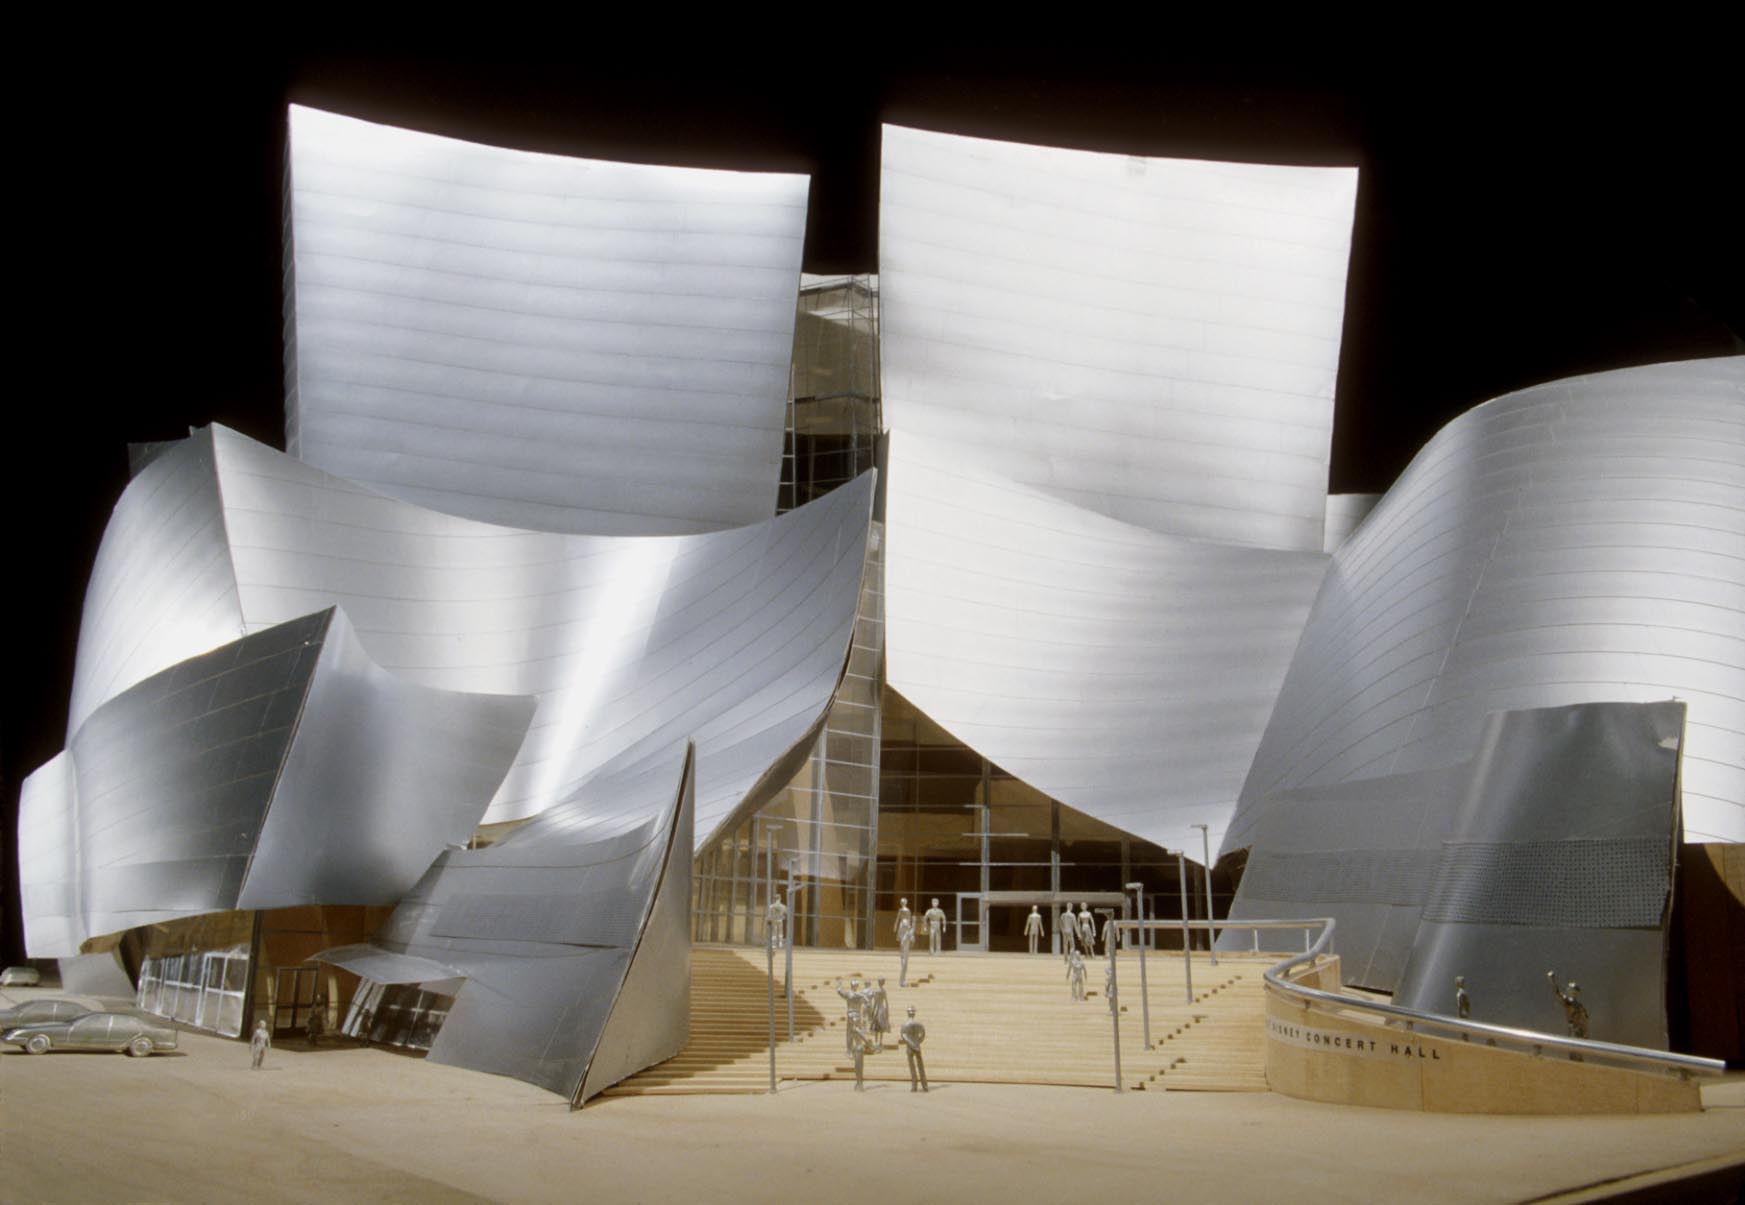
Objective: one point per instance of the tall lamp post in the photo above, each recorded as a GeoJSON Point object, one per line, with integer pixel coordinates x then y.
{"type": "Point", "coordinates": [1181, 870]}
{"type": "Point", "coordinates": [793, 890]}
{"type": "Point", "coordinates": [1144, 985]}
{"type": "Point", "coordinates": [1211, 934]}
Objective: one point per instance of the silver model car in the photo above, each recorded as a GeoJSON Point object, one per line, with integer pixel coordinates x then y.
{"type": "Point", "coordinates": [137, 1033]}
{"type": "Point", "coordinates": [32, 1011]}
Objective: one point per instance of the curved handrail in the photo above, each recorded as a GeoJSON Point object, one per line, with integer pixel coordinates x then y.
{"type": "Point", "coordinates": [1682, 1065]}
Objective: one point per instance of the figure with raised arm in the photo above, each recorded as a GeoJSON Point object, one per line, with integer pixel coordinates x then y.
{"type": "Point", "coordinates": [934, 918]}
{"type": "Point", "coordinates": [1033, 927]}
{"type": "Point", "coordinates": [912, 1035]}
{"type": "Point", "coordinates": [1574, 1011]}
{"type": "Point", "coordinates": [1087, 930]}
{"type": "Point", "coordinates": [854, 999]}
{"type": "Point", "coordinates": [1075, 974]}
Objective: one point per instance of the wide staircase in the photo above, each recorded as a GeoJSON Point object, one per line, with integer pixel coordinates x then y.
{"type": "Point", "coordinates": [990, 1018]}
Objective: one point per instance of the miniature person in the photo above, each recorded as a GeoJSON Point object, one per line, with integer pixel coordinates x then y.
{"type": "Point", "coordinates": [1574, 1011]}
{"type": "Point", "coordinates": [1087, 930]}
{"type": "Point", "coordinates": [858, 1043]}
{"type": "Point", "coordinates": [854, 1000]}
{"type": "Point", "coordinates": [776, 923]}
{"type": "Point", "coordinates": [1075, 975]}
{"type": "Point", "coordinates": [903, 914]}
{"type": "Point", "coordinates": [912, 1035]}
{"type": "Point", "coordinates": [1110, 936]}
{"type": "Point", "coordinates": [1069, 931]}
{"type": "Point", "coordinates": [260, 1043]}
{"type": "Point", "coordinates": [877, 1014]}
{"type": "Point", "coordinates": [1033, 927]}
{"type": "Point", "coordinates": [317, 1024]}
{"type": "Point", "coordinates": [934, 918]}
{"type": "Point", "coordinates": [1462, 1002]}
{"type": "Point", "coordinates": [905, 939]}
{"type": "Point", "coordinates": [1109, 985]}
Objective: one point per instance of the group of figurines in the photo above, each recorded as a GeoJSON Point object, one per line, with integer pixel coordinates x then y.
{"type": "Point", "coordinates": [1574, 1011]}
{"type": "Point", "coordinates": [869, 1020]}
{"type": "Point", "coordinates": [933, 919]}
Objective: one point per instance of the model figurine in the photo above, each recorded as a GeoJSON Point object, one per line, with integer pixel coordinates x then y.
{"type": "Point", "coordinates": [912, 1035]}
{"type": "Point", "coordinates": [776, 922]}
{"type": "Point", "coordinates": [1462, 1002]}
{"type": "Point", "coordinates": [1033, 927]}
{"type": "Point", "coordinates": [1068, 930]}
{"type": "Point", "coordinates": [903, 914]}
{"type": "Point", "coordinates": [1075, 975]}
{"type": "Point", "coordinates": [934, 918]}
{"type": "Point", "coordinates": [317, 1020]}
{"type": "Point", "coordinates": [1109, 985]}
{"type": "Point", "coordinates": [1574, 1011]}
{"type": "Point", "coordinates": [877, 1014]}
{"type": "Point", "coordinates": [1110, 936]}
{"type": "Point", "coordinates": [1087, 930]}
{"type": "Point", "coordinates": [854, 1000]}
{"type": "Point", "coordinates": [905, 939]}
{"type": "Point", "coordinates": [260, 1043]}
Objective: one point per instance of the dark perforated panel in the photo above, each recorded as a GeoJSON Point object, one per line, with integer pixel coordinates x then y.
{"type": "Point", "coordinates": [1619, 883]}
{"type": "Point", "coordinates": [1340, 876]}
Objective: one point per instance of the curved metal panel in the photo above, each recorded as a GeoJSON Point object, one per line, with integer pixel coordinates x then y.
{"type": "Point", "coordinates": [161, 589]}
{"type": "Point", "coordinates": [1345, 513]}
{"type": "Point", "coordinates": [570, 955]}
{"type": "Point", "coordinates": [534, 340]}
{"type": "Point", "coordinates": [1578, 541]}
{"type": "Point", "coordinates": [235, 779]}
{"type": "Point", "coordinates": [1126, 673]}
{"type": "Point", "coordinates": [1153, 339]}
{"type": "Point", "coordinates": [733, 639]}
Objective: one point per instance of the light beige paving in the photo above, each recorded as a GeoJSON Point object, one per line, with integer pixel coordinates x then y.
{"type": "Point", "coordinates": [361, 1124]}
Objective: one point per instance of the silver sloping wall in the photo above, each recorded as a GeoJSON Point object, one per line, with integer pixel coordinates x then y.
{"type": "Point", "coordinates": [735, 639]}
{"type": "Point", "coordinates": [1155, 340]}
{"type": "Point", "coordinates": [1126, 673]}
{"type": "Point", "coordinates": [572, 935]}
{"type": "Point", "coordinates": [1574, 542]}
{"type": "Point", "coordinates": [1549, 849]}
{"type": "Point", "coordinates": [534, 340]}
{"type": "Point", "coordinates": [282, 768]}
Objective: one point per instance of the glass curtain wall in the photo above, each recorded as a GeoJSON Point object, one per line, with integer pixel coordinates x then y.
{"type": "Point", "coordinates": [833, 388]}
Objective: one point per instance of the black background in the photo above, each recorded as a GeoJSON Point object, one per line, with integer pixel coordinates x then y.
{"type": "Point", "coordinates": [1525, 212]}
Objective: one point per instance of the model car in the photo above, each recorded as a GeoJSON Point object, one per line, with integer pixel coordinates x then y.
{"type": "Point", "coordinates": [32, 1011]}
{"type": "Point", "coordinates": [137, 1033]}
{"type": "Point", "coordinates": [20, 977]}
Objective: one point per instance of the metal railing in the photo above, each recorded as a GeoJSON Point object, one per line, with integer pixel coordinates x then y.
{"type": "Point", "coordinates": [1507, 1037]}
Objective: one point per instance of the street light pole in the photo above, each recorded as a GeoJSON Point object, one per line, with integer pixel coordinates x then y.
{"type": "Point", "coordinates": [1181, 870]}
{"type": "Point", "coordinates": [1211, 934]}
{"type": "Point", "coordinates": [793, 890]}
{"type": "Point", "coordinates": [769, 950]}
{"type": "Point", "coordinates": [1115, 1003]}
{"type": "Point", "coordinates": [1144, 984]}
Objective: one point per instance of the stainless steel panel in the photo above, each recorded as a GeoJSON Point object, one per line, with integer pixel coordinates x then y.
{"type": "Point", "coordinates": [733, 639]}
{"type": "Point", "coordinates": [1155, 340]}
{"type": "Point", "coordinates": [1126, 673]}
{"type": "Point", "coordinates": [281, 768]}
{"type": "Point", "coordinates": [1577, 541]}
{"type": "Point", "coordinates": [1344, 513]}
{"type": "Point", "coordinates": [533, 340]}
{"type": "Point", "coordinates": [572, 933]}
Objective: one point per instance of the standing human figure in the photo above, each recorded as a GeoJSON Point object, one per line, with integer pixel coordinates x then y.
{"type": "Point", "coordinates": [1033, 927]}
{"type": "Point", "coordinates": [903, 914]}
{"type": "Point", "coordinates": [1087, 930]}
{"type": "Point", "coordinates": [1110, 936]}
{"type": "Point", "coordinates": [1075, 975]}
{"type": "Point", "coordinates": [1574, 1011]}
{"type": "Point", "coordinates": [1462, 1002]}
{"type": "Point", "coordinates": [317, 1020]}
{"type": "Point", "coordinates": [858, 1042]}
{"type": "Point", "coordinates": [776, 923]}
{"type": "Point", "coordinates": [1109, 985]}
{"type": "Point", "coordinates": [912, 1035]}
{"type": "Point", "coordinates": [934, 918]}
{"type": "Point", "coordinates": [259, 1044]}
{"type": "Point", "coordinates": [905, 939]}
{"type": "Point", "coordinates": [1068, 928]}
{"type": "Point", "coordinates": [877, 1014]}
{"type": "Point", "coordinates": [853, 1000]}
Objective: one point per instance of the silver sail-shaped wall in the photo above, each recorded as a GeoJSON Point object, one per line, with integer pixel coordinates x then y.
{"type": "Point", "coordinates": [283, 768]}
{"type": "Point", "coordinates": [1126, 673]}
{"type": "Point", "coordinates": [572, 936]}
{"type": "Point", "coordinates": [1155, 340]}
{"type": "Point", "coordinates": [734, 639]}
{"type": "Point", "coordinates": [1579, 541]}
{"type": "Point", "coordinates": [535, 340]}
